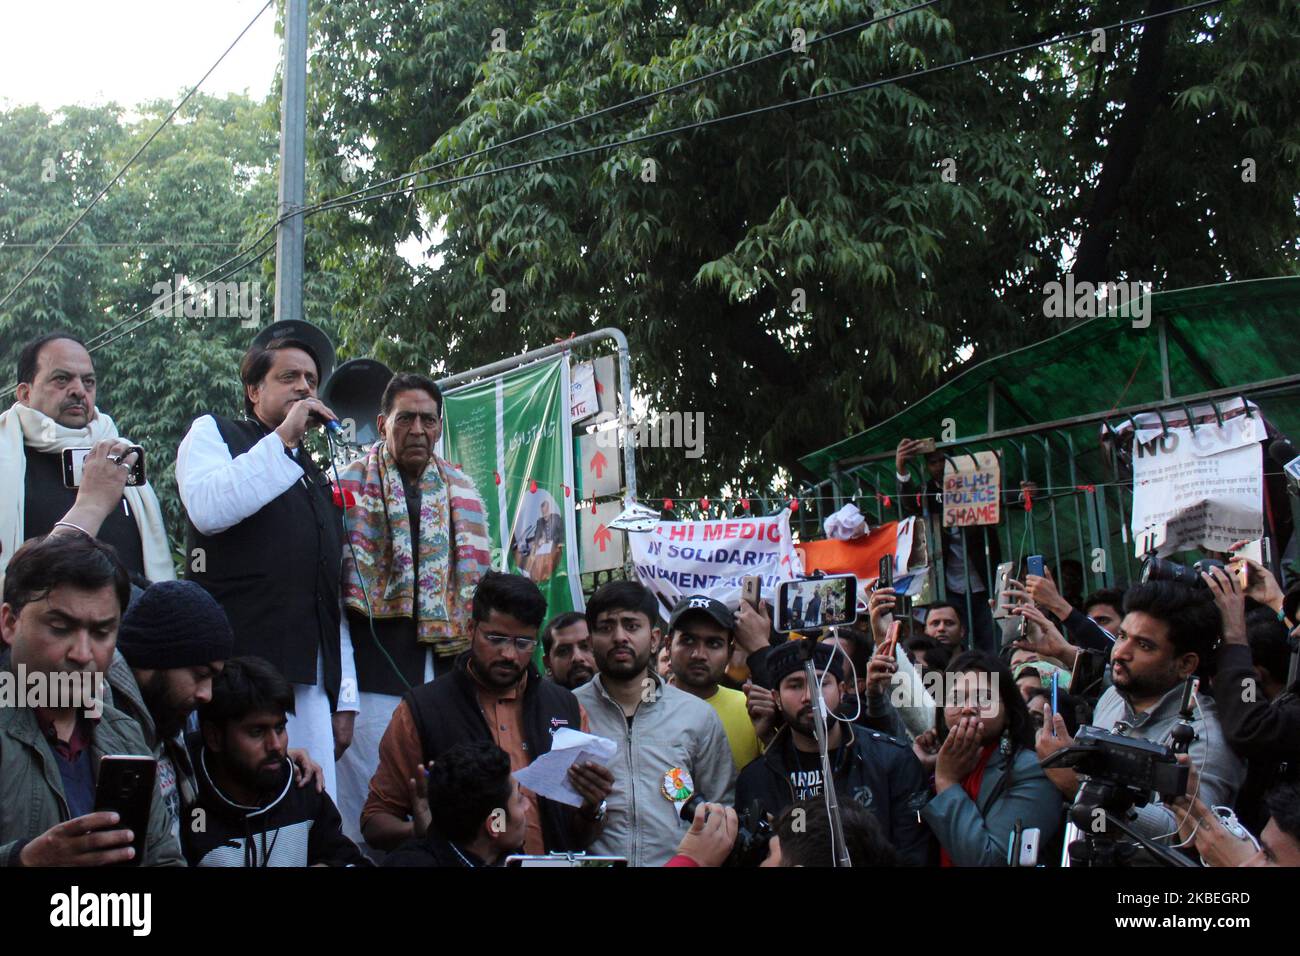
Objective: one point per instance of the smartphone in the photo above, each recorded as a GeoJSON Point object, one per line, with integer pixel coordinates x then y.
{"type": "Point", "coordinates": [808, 604]}
{"type": "Point", "coordinates": [1034, 565]}
{"type": "Point", "coordinates": [886, 577]}
{"type": "Point", "coordinates": [751, 589]}
{"type": "Point", "coordinates": [125, 786]}
{"type": "Point", "coordinates": [1002, 578]}
{"type": "Point", "coordinates": [927, 445]}
{"type": "Point", "coordinates": [1022, 847]}
{"type": "Point", "coordinates": [903, 612]}
{"type": "Point", "coordinates": [74, 460]}
{"type": "Point", "coordinates": [1054, 689]}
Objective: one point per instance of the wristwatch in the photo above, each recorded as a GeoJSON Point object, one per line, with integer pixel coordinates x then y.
{"type": "Point", "coordinates": [599, 815]}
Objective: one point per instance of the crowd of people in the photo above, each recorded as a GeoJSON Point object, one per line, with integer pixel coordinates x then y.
{"type": "Point", "coordinates": [356, 618]}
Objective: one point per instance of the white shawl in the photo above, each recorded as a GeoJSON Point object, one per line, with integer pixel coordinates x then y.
{"type": "Point", "coordinates": [21, 426]}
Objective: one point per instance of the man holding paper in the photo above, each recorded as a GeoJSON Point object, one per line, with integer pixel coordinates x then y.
{"type": "Point", "coordinates": [493, 693]}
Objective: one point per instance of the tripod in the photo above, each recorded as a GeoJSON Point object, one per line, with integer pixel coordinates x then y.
{"type": "Point", "coordinates": [1102, 802]}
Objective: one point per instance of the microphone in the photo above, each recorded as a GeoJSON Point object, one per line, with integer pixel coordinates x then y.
{"type": "Point", "coordinates": [1285, 454]}
{"type": "Point", "coordinates": [329, 423]}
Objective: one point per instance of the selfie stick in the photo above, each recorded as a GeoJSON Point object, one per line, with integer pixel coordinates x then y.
{"type": "Point", "coordinates": [839, 850]}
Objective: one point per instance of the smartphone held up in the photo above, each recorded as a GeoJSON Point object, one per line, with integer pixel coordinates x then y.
{"type": "Point", "coordinates": [74, 465]}
{"type": "Point", "coordinates": [808, 604]}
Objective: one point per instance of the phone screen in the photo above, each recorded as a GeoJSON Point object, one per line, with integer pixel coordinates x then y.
{"type": "Point", "coordinates": [74, 462]}
{"type": "Point", "coordinates": [74, 465]}
{"type": "Point", "coordinates": [813, 603]}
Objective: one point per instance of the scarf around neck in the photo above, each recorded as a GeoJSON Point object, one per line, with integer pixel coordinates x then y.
{"type": "Point", "coordinates": [450, 548]}
{"type": "Point", "coordinates": [22, 426]}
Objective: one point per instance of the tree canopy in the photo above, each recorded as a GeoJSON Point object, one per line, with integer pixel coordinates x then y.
{"type": "Point", "coordinates": [795, 275]}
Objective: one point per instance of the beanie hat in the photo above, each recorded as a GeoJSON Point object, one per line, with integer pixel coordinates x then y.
{"type": "Point", "coordinates": [787, 658]}
{"type": "Point", "coordinates": [174, 624]}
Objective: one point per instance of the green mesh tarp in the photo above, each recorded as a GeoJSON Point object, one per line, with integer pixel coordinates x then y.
{"type": "Point", "coordinates": [1235, 334]}
{"type": "Point", "coordinates": [1239, 338]}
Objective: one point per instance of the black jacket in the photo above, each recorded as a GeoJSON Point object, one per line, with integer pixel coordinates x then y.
{"type": "Point", "coordinates": [432, 850]}
{"type": "Point", "coordinates": [1266, 733]}
{"type": "Point", "coordinates": [446, 712]}
{"type": "Point", "coordinates": [878, 772]}
{"type": "Point", "coordinates": [297, 827]}
{"type": "Point", "coordinates": [276, 573]}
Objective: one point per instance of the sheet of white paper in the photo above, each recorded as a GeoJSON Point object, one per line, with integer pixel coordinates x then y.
{"type": "Point", "coordinates": [548, 775]}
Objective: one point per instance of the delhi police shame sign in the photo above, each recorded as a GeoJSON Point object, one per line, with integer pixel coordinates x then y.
{"type": "Point", "coordinates": [678, 558]}
{"type": "Point", "coordinates": [970, 490]}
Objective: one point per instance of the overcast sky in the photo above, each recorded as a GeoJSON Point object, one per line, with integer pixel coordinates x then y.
{"type": "Point", "coordinates": [59, 52]}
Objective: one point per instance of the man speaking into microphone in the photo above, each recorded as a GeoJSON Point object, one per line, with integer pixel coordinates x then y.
{"type": "Point", "coordinates": [266, 540]}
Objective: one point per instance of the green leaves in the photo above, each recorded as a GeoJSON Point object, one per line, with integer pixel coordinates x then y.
{"type": "Point", "coordinates": [796, 275]}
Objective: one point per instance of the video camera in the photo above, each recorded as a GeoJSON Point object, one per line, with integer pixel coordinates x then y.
{"type": "Point", "coordinates": [1128, 770]}
{"type": "Point", "coordinates": [1158, 569]}
{"type": "Point", "coordinates": [753, 833]}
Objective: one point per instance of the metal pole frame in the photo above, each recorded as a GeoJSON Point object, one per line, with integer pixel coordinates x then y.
{"type": "Point", "coordinates": [560, 348]}
{"type": "Point", "coordinates": [289, 238]}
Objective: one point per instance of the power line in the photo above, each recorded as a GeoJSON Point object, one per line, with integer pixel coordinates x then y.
{"type": "Point", "coordinates": [489, 149]}
{"type": "Point", "coordinates": [112, 245]}
{"type": "Point", "coordinates": [161, 126]}
{"type": "Point", "coordinates": [956, 64]}
{"type": "Point", "coordinates": [308, 210]}
{"type": "Point", "coordinates": [90, 343]}
{"type": "Point", "coordinates": [154, 314]}
{"type": "Point", "coordinates": [93, 344]}
{"type": "Point", "coordinates": [760, 110]}
{"type": "Point", "coordinates": [626, 104]}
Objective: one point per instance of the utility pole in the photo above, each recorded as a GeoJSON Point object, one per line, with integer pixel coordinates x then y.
{"type": "Point", "coordinates": [293, 164]}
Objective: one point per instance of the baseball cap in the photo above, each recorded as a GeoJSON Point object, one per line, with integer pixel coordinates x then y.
{"type": "Point", "coordinates": [718, 612]}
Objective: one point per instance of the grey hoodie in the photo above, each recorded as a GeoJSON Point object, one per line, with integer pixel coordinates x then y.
{"type": "Point", "coordinates": [671, 729]}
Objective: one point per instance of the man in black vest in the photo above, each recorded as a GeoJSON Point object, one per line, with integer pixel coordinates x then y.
{"type": "Point", "coordinates": [266, 540]}
{"type": "Point", "coordinates": [492, 694]}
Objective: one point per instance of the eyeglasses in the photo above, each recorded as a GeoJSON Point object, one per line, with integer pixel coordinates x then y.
{"type": "Point", "coordinates": [522, 644]}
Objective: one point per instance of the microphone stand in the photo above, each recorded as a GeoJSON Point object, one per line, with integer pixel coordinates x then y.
{"type": "Point", "coordinates": [839, 849]}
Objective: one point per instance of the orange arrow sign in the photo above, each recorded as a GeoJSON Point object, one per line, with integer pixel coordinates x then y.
{"type": "Point", "coordinates": [598, 463]}
{"type": "Point", "coordinates": [602, 536]}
